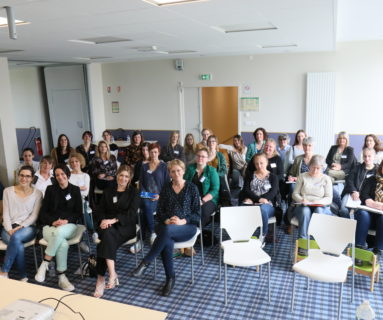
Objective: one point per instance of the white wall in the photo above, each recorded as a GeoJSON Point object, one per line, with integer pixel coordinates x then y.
{"type": "Point", "coordinates": [148, 97]}
{"type": "Point", "coordinates": [27, 94]}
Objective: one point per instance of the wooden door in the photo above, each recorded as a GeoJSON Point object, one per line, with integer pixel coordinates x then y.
{"type": "Point", "coordinates": [220, 112]}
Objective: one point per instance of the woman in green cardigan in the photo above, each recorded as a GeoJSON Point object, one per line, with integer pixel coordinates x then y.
{"type": "Point", "coordinates": [206, 179]}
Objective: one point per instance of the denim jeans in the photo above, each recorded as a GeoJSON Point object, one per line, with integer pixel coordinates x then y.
{"type": "Point", "coordinates": [58, 244]}
{"type": "Point", "coordinates": [236, 179]}
{"type": "Point", "coordinates": [148, 208]}
{"type": "Point", "coordinates": [367, 220]}
{"type": "Point", "coordinates": [303, 214]}
{"type": "Point", "coordinates": [15, 248]}
{"type": "Point", "coordinates": [167, 234]}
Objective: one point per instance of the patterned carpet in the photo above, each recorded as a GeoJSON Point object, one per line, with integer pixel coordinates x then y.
{"type": "Point", "coordinates": [247, 292]}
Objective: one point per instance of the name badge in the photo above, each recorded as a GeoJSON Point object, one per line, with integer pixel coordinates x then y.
{"type": "Point", "coordinates": [106, 162]}
{"type": "Point", "coordinates": [369, 176]}
{"type": "Point", "coordinates": [202, 179]}
{"type": "Point", "coordinates": [273, 165]}
{"type": "Point", "coordinates": [149, 171]}
{"type": "Point", "coordinates": [115, 199]}
{"type": "Point", "coordinates": [92, 152]}
{"type": "Point", "coordinates": [176, 152]}
{"type": "Point", "coordinates": [68, 197]}
{"type": "Point", "coordinates": [344, 156]}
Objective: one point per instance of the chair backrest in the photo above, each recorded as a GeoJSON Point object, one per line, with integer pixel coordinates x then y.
{"type": "Point", "coordinates": [241, 222]}
{"type": "Point", "coordinates": [333, 234]}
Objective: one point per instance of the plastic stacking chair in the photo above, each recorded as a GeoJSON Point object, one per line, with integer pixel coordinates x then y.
{"type": "Point", "coordinates": [241, 250]}
{"type": "Point", "coordinates": [76, 239]}
{"type": "Point", "coordinates": [188, 244]}
{"type": "Point", "coordinates": [370, 265]}
{"type": "Point", "coordinates": [3, 247]}
{"type": "Point", "coordinates": [302, 243]}
{"type": "Point", "coordinates": [328, 264]}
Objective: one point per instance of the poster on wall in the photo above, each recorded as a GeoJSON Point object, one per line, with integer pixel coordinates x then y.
{"type": "Point", "coordinates": [115, 107]}
{"type": "Point", "coordinates": [250, 104]}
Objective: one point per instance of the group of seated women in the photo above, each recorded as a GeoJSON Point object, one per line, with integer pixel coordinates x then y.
{"type": "Point", "coordinates": [177, 188]}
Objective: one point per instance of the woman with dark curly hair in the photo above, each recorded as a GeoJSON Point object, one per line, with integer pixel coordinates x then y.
{"type": "Point", "coordinates": [260, 137]}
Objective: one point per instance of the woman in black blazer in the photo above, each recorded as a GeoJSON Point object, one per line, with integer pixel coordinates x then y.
{"type": "Point", "coordinates": [340, 159]}
{"type": "Point", "coordinates": [116, 218]}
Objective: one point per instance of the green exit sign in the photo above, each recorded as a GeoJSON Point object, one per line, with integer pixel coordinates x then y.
{"type": "Point", "coordinates": [206, 76]}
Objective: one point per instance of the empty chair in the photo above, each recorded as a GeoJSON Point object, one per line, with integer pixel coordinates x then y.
{"type": "Point", "coordinates": [241, 250]}
{"type": "Point", "coordinates": [328, 264]}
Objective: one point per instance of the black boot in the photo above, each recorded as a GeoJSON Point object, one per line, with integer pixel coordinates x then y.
{"type": "Point", "coordinates": [140, 270]}
{"type": "Point", "coordinates": [167, 289]}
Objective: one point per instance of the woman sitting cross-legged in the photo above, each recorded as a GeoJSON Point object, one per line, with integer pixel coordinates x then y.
{"type": "Point", "coordinates": [61, 208]}
{"type": "Point", "coordinates": [21, 205]}
{"type": "Point", "coordinates": [371, 196]}
{"type": "Point", "coordinates": [260, 188]}
{"type": "Point", "coordinates": [178, 213]}
{"type": "Point", "coordinates": [117, 217]}
{"type": "Point", "coordinates": [312, 193]}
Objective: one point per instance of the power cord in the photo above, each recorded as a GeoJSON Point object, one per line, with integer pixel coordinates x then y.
{"type": "Point", "coordinates": [60, 301]}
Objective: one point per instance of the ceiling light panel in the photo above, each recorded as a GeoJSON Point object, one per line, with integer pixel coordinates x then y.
{"type": "Point", "coordinates": [4, 22]}
{"type": "Point", "coordinates": [248, 27]}
{"type": "Point", "coordinates": [161, 3]}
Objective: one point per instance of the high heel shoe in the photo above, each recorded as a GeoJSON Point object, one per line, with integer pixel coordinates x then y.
{"type": "Point", "coordinates": [113, 282]}
{"type": "Point", "coordinates": [99, 292]}
{"type": "Point", "coordinates": [140, 270]}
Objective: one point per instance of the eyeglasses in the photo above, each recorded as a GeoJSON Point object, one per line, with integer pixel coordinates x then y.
{"type": "Point", "coordinates": [25, 176]}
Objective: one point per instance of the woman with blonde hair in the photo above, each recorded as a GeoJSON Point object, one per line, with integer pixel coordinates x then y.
{"type": "Point", "coordinates": [173, 150]}
{"type": "Point", "coordinates": [371, 141]}
{"type": "Point", "coordinates": [238, 162]}
{"type": "Point", "coordinates": [340, 158]}
{"type": "Point", "coordinates": [78, 178]}
{"type": "Point", "coordinates": [104, 166]}
{"type": "Point", "coordinates": [189, 149]}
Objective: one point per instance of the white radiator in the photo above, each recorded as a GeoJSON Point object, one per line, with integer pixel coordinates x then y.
{"type": "Point", "coordinates": [320, 110]}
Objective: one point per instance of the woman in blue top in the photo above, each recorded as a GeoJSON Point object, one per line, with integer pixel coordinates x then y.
{"type": "Point", "coordinates": [154, 175]}
{"type": "Point", "coordinates": [260, 137]}
{"type": "Point", "coordinates": [178, 213]}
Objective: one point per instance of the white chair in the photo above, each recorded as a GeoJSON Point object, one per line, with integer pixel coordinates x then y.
{"type": "Point", "coordinates": [76, 239]}
{"type": "Point", "coordinates": [241, 250]}
{"type": "Point", "coordinates": [4, 246]}
{"type": "Point", "coordinates": [188, 244]}
{"type": "Point", "coordinates": [328, 264]}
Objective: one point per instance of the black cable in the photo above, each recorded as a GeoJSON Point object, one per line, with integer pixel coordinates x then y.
{"type": "Point", "coordinates": [60, 301]}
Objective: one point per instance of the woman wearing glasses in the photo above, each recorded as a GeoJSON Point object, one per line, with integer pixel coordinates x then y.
{"type": "Point", "coordinates": [21, 205]}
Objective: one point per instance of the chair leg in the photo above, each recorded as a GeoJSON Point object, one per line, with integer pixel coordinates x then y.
{"type": "Point", "coordinates": [35, 256]}
{"type": "Point", "coordinates": [293, 295]}
{"type": "Point", "coordinates": [291, 241]}
{"type": "Point", "coordinates": [274, 238]}
{"type": "Point", "coordinates": [192, 265]}
{"type": "Point", "coordinates": [135, 253]}
{"type": "Point", "coordinates": [352, 285]}
{"type": "Point", "coordinates": [307, 283]}
{"type": "Point", "coordinates": [155, 268]}
{"type": "Point", "coordinates": [225, 281]}
{"type": "Point", "coordinates": [340, 300]}
{"type": "Point", "coordinates": [80, 259]}
{"type": "Point", "coordinates": [268, 269]}
{"type": "Point", "coordinates": [201, 242]}
{"type": "Point", "coordinates": [212, 231]}
{"type": "Point", "coordinates": [260, 271]}
{"type": "Point", "coordinates": [220, 263]}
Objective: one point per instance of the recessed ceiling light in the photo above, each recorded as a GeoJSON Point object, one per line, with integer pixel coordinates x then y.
{"type": "Point", "coordinates": [160, 3]}
{"type": "Point", "coordinates": [271, 46]}
{"type": "Point", "coordinates": [4, 22]}
{"type": "Point", "coordinates": [10, 50]}
{"type": "Point", "coordinates": [247, 27]}
{"type": "Point", "coordinates": [101, 40]}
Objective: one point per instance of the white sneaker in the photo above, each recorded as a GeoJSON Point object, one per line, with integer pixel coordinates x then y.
{"type": "Point", "coordinates": [42, 271]}
{"type": "Point", "coordinates": [137, 248]}
{"type": "Point", "coordinates": [152, 238]}
{"type": "Point", "coordinates": [64, 283]}
{"type": "Point", "coordinates": [84, 247]}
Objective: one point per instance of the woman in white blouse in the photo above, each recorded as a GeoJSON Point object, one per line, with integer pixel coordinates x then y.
{"type": "Point", "coordinates": [77, 177]}
{"type": "Point", "coordinates": [21, 205]}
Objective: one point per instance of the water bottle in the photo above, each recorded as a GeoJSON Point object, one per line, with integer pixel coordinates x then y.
{"type": "Point", "coordinates": [51, 269]}
{"type": "Point", "coordinates": [365, 311]}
